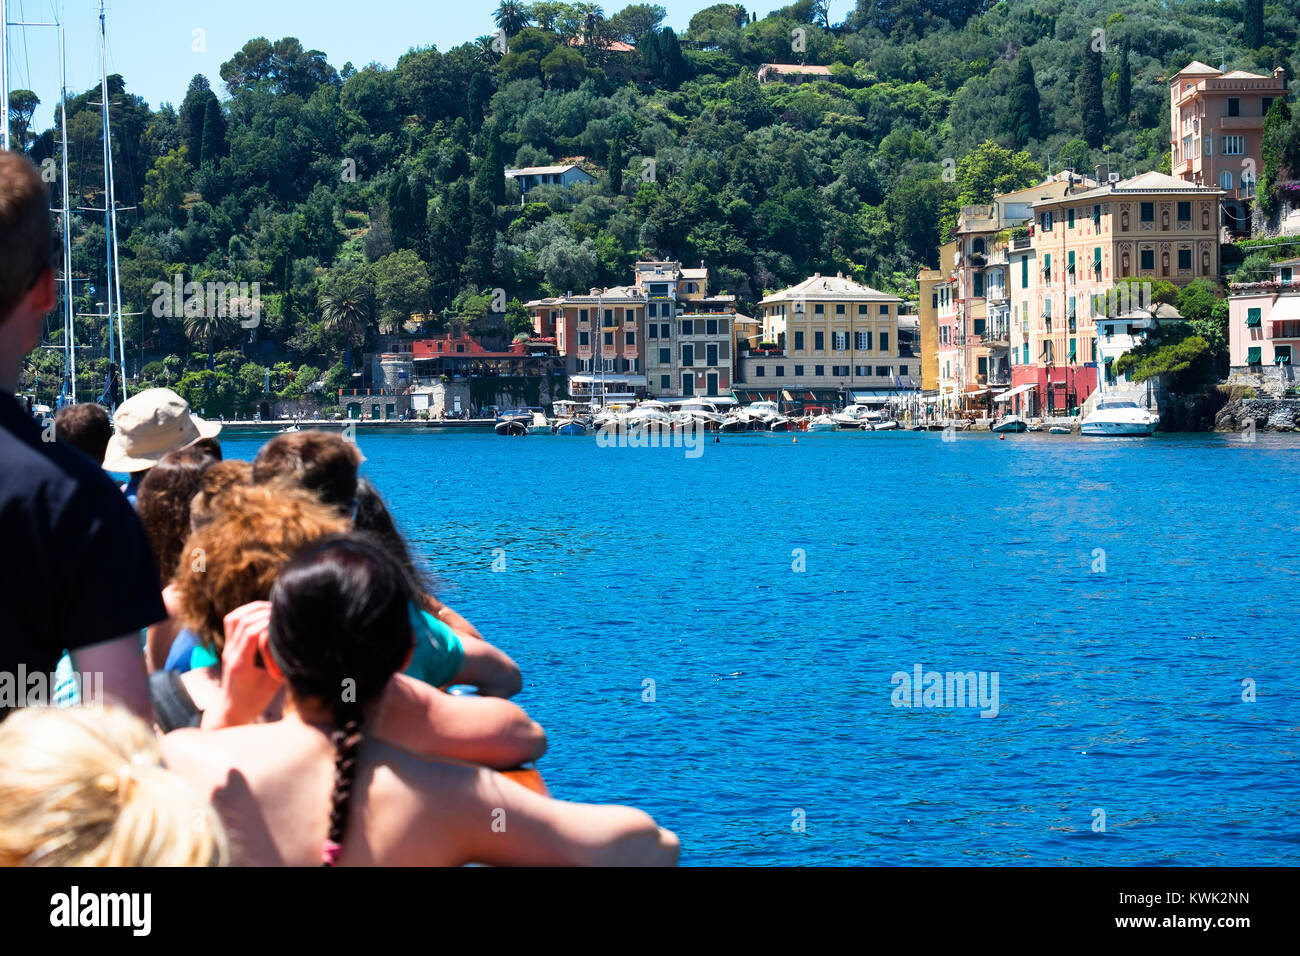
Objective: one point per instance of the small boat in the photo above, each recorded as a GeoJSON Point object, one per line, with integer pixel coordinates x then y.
{"type": "Point", "coordinates": [1035, 427]}
{"type": "Point", "coordinates": [854, 417]}
{"type": "Point", "coordinates": [1059, 430]}
{"type": "Point", "coordinates": [570, 426]}
{"type": "Point", "coordinates": [821, 423]}
{"type": "Point", "coordinates": [697, 413]}
{"type": "Point", "coordinates": [289, 428]}
{"type": "Point", "coordinates": [1114, 416]}
{"type": "Point", "coordinates": [540, 425]}
{"type": "Point", "coordinates": [650, 415]}
{"type": "Point", "coordinates": [1011, 423]}
{"type": "Point", "coordinates": [516, 421]}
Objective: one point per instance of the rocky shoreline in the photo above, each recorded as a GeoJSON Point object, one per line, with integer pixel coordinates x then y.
{"type": "Point", "coordinates": [1268, 414]}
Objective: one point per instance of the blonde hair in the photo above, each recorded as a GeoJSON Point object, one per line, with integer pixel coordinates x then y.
{"type": "Point", "coordinates": [85, 786]}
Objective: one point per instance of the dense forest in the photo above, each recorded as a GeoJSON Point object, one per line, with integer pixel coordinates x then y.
{"type": "Point", "coordinates": [358, 197]}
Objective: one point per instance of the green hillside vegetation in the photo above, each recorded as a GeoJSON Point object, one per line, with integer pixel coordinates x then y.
{"type": "Point", "coordinates": [358, 196]}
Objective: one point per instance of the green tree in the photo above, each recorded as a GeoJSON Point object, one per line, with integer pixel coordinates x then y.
{"type": "Point", "coordinates": [511, 16]}
{"type": "Point", "coordinates": [1124, 88]}
{"type": "Point", "coordinates": [1253, 23]}
{"type": "Point", "coordinates": [563, 68]}
{"type": "Point", "coordinates": [989, 170]}
{"type": "Point", "coordinates": [401, 288]}
{"type": "Point", "coordinates": [1022, 121]}
{"type": "Point", "coordinates": [164, 189]}
{"type": "Point", "coordinates": [636, 20]}
{"type": "Point", "coordinates": [1092, 111]}
{"type": "Point", "coordinates": [22, 107]}
{"type": "Point", "coordinates": [214, 132]}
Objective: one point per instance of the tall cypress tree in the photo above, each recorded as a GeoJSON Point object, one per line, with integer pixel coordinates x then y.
{"type": "Point", "coordinates": [1092, 111]}
{"type": "Point", "coordinates": [1124, 94]}
{"type": "Point", "coordinates": [616, 165]}
{"type": "Point", "coordinates": [1253, 23]}
{"type": "Point", "coordinates": [214, 132]}
{"type": "Point", "coordinates": [192, 111]}
{"type": "Point", "coordinates": [1022, 120]}
{"type": "Point", "coordinates": [483, 239]}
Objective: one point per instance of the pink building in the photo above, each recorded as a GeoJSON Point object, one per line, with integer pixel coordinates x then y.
{"type": "Point", "coordinates": [1264, 321]}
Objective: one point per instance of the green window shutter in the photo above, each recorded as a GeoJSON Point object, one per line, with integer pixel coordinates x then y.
{"type": "Point", "coordinates": [1252, 318]}
{"type": "Point", "coordinates": [1253, 355]}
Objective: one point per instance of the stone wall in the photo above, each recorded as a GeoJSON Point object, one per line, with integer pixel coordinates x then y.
{"type": "Point", "coordinates": [1268, 414]}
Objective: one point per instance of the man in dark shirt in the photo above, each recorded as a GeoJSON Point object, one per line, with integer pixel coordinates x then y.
{"type": "Point", "coordinates": [77, 573]}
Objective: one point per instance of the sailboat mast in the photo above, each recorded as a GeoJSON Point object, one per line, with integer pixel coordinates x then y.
{"type": "Point", "coordinates": [112, 280]}
{"type": "Point", "coordinates": [4, 72]}
{"type": "Point", "coordinates": [70, 335]}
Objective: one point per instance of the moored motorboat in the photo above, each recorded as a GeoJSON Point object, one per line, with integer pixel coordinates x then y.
{"type": "Point", "coordinates": [854, 417]}
{"type": "Point", "coordinates": [821, 423]}
{"type": "Point", "coordinates": [1059, 430]}
{"type": "Point", "coordinates": [1011, 423]}
{"type": "Point", "coordinates": [1115, 416]}
{"type": "Point", "coordinates": [516, 421]}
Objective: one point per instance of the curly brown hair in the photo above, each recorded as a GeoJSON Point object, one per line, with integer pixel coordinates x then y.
{"type": "Point", "coordinates": [216, 482]}
{"type": "Point", "coordinates": [234, 558]}
{"type": "Point", "coordinates": [163, 503]}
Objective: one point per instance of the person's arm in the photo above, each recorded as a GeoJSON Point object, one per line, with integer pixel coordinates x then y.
{"type": "Point", "coordinates": [509, 825]}
{"type": "Point", "coordinates": [481, 730]}
{"type": "Point", "coordinates": [488, 668]}
{"type": "Point", "coordinates": [122, 668]}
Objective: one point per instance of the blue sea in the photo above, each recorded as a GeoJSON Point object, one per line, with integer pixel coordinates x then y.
{"type": "Point", "coordinates": [720, 640]}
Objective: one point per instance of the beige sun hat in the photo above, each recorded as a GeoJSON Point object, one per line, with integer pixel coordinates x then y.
{"type": "Point", "coordinates": [150, 424]}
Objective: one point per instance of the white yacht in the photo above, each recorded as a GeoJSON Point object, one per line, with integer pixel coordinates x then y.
{"type": "Point", "coordinates": [821, 423]}
{"type": "Point", "coordinates": [648, 414]}
{"type": "Point", "coordinates": [1115, 416]}
{"type": "Point", "coordinates": [697, 412]}
{"type": "Point", "coordinates": [854, 416]}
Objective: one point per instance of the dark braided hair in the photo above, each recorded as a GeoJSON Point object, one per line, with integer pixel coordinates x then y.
{"type": "Point", "coordinates": [340, 629]}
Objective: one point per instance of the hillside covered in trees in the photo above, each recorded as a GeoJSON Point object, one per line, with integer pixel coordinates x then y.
{"type": "Point", "coordinates": [357, 196]}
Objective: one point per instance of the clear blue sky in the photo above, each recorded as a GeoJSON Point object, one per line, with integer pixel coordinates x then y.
{"type": "Point", "coordinates": [151, 41]}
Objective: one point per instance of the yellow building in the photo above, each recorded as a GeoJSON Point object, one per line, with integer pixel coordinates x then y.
{"type": "Point", "coordinates": [829, 333]}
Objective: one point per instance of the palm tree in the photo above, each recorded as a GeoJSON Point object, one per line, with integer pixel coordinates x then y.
{"type": "Point", "coordinates": [208, 327]}
{"type": "Point", "coordinates": [346, 312]}
{"type": "Point", "coordinates": [593, 20]}
{"type": "Point", "coordinates": [511, 16]}
{"type": "Point", "coordinates": [485, 50]}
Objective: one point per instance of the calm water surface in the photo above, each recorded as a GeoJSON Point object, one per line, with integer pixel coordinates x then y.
{"type": "Point", "coordinates": [1122, 589]}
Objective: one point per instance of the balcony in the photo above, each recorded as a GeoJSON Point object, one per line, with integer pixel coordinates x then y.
{"type": "Point", "coordinates": [1284, 329]}
{"type": "Point", "coordinates": [1022, 243]}
{"type": "Point", "coordinates": [1241, 122]}
{"type": "Point", "coordinates": [997, 335]}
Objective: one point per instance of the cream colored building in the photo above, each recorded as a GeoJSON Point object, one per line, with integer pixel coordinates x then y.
{"type": "Point", "coordinates": [829, 333]}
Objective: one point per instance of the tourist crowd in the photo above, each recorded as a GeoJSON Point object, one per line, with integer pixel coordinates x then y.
{"type": "Point", "coordinates": [272, 662]}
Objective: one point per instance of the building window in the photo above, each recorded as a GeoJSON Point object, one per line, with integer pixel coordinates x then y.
{"type": "Point", "coordinates": [582, 315]}
{"type": "Point", "coordinates": [977, 326]}
{"type": "Point", "coordinates": [1024, 273]}
{"type": "Point", "coordinates": [1148, 212]}
{"type": "Point", "coordinates": [978, 279]}
{"type": "Point", "coordinates": [780, 371]}
{"type": "Point", "coordinates": [665, 382]}
{"type": "Point", "coordinates": [882, 371]}
{"type": "Point", "coordinates": [839, 310]}
{"type": "Point", "coordinates": [819, 341]}
{"type": "Point", "coordinates": [884, 310]}
{"type": "Point", "coordinates": [819, 370]}
{"type": "Point", "coordinates": [1234, 106]}
{"type": "Point", "coordinates": [977, 247]}
{"type": "Point", "coordinates": [1069, 264]}
{"type": "Point", "coordinates": [1184, 212]}
{"type": "Point", "coordinates": [1024, 357]}
{"type": "Point", "coordinates": [798, 371]}
{"type": "Point", "coordinates": [1069, 218]}
{"type": "Point", "coordinates": [1234, 145]}
{"type": "Point", "coordinates": [1148, 260]}
{"type": "Point", "coordinates": [1184, 258]}
{"type": "Point", "coordinates": [1265, 103]}
{"type": "Point", "coordinates": [798, 341]}
{"type": "Point", "coordinates": [609, 338]}
{"type": "Point", "coordinates": [711, 327]}
{"type": "Point", "coordinates": [862, 370]}
{"type": "Point", "coordinates": [864, 309]}
{"type": "Point", "coordinates": [653, 330]}
{"type": "Point", "coordinates": [688, 355]}
{"type": "Point", "coordinates": [884, 341]}
{"type": "Point", "coordinates": [652, 310]}
{"type": "Point", "coordinates": [609, 316]}
{"type": "Point", "coordinates": [819, 309]}
{"type": "Point", "coordinates": [688, 327]}
{"type": "Point", "coordinates": [582, 339]}
{"type": "Point", "coordinates": [902, 370]}
{"type": "Point", "coordinates": [665, 356]}
{"type": "Point", "coordinates": [664, 331]}
{"type": "Point", "coordinates": [1253, 318]}
{"type": "Point", "coordinates": [1254, 355]}
{"type": "Point", "coordinates": [759, 371]}
{"type": "Point", "coordinates": [1046, 221]}
{"type": "Point", "coordinates": [630, 338]}
{"type": "Point", "coordinates": [864, 340]}
{"type": "Point", "coordinates": [1096, 216]}
{"type": "Point", "coordinates": [711, 354]}
{"type": "Point", "coordinates": [1282, 354]}
{"type": "Point", "coordinates": [841, 341]}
